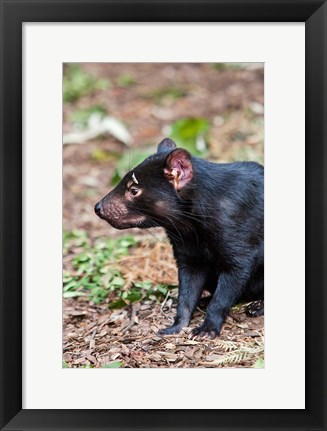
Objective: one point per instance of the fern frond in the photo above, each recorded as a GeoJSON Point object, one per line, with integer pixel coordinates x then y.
{"type": "Point", "coordinates": [227, 346]}
{"type": "Point", "coordinates": [240, 355]}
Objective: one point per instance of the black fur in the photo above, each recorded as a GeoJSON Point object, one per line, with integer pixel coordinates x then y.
{"type": "Point", "coordinates": [213, 215]}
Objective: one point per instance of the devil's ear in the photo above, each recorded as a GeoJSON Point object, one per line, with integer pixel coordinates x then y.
{"type": "Point", "coordinates": [166, 145]}
{"type": "Point", "coordinates": [178, 168]}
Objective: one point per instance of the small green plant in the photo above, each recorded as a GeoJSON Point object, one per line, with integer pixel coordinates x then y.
{"type": "Point", "coordinates": [95, 272]}
{"type": "Point", "coordinates": [77, 83]}
{"type": "Point", "coordinates": [126, 80]}
{"type": "Point", "coordinates": [228, 66]}
{"type": "Point", "coordinates": [259, 363]}
{"type": "Point", "coordinates": [117, 364]}
{"type": "Point", "coordinates": [191, 134]}
{"type": "Point", "coordinates": [91, 275]}
{"type": "Point", "coordinates": [165, 93]}
{"type": "Point", "coordinates": [74, 239]}
{"type": "Point", "coordinates": [140, 291]}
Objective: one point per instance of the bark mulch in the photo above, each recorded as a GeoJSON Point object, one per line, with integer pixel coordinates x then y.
{"type": "Point", "coordinates": [96, 336]}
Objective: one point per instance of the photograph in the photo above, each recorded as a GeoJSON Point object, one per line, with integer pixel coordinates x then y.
{"type": "Point", "coordinates": [163, 215]}
{"type": "Point", "coordinates": [178, 156]}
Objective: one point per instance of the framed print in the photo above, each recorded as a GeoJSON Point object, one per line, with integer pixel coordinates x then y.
{"type": "Point", "coordinates": [217, 81]}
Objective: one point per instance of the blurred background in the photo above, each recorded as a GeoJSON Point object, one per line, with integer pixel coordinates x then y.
{"type": "Point", "coordinates": [114, 115]}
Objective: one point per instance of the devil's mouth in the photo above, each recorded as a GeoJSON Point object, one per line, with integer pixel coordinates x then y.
{"type": "Point", "coordinates": [102, 216]}
{"type": "Point", "coordinates": [124, 224]}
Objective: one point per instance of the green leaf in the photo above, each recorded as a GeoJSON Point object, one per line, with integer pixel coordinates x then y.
{"type": "Point", "coordinates": [67, 278]}
{"type": "Point", "coordinates": [166, 93]}
{"type": "Point", "coordinates": [220, 67]}
{"type": "Point", "coordinates": [259, 363]}
{"type": "Point", "coordinates": [126, 80]}
{"type": "Point", "coordinates": [127, 241]}
{"type": "Point", "coordinates": [190, 133]}
{"type": "Point", "coordinates": [71, 285]}
{"type": "Point", "coordinates": [118, 281]}
{"type": "Point", "coordinates": [117, 364]}
{"type": "Point", "coordinates": [144, 284]}
{"type": "Point", "coordinates": [162, 289]}
{"type": "Point", "coordinates": [133, 295]}
{"type": "Point", "coordinates": [116, 305]}
{"type": "Point", "coordinates": [97, 278]}
{"type": "Point", "coordinates": [73, 294]}
{"type": "Point", "coordinates": [77, 83]}
{"type": "Point", "coordinates": [82, 258]}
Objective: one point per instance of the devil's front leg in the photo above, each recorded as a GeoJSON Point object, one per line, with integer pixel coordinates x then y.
{"type": "Point", "coordinates": [191, 284]}
{"type": "Point", "coordinates": [229, 289]}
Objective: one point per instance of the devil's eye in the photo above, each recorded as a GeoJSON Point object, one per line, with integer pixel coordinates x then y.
{"type": "Point", "coordinates": [134, 191]}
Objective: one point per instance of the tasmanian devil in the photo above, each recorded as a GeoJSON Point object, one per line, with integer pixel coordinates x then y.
{"type": "Point", "coordinates": [213, 215]}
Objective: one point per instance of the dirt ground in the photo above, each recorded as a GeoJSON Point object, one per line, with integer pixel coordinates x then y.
{"type": "Point", "coordinates": [232, 100]}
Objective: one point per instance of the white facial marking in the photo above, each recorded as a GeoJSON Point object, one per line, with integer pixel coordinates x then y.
{"type": "Point", "coordinates": [134, 178]}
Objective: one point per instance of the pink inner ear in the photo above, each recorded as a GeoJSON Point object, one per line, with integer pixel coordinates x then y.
{"type": "Point", "coordinates": [180, 170]}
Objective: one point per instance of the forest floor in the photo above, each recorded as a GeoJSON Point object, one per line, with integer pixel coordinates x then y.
{"type": "Point", "coordinates": [149, 99]}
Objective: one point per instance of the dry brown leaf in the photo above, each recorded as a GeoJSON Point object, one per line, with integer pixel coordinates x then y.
{"type": "Point", "coordinates": [169, 346]}
{"type": "Point", "coordinates": [213, 357]}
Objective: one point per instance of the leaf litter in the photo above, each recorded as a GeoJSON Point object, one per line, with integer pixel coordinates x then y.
{"type": "Point", "coordinates": [97, 336]}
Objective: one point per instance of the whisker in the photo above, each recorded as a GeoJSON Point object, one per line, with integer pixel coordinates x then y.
{"type": "Point", "coordinates": [190, 226]}
{"type": "Point", "coordinates": [150, 233]}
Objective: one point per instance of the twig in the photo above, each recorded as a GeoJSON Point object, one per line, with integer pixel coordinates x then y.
{"type": "Point", "coordinates": [201, 311]}
{"type": "Point", "coordinates": [135, 308]}
{"type": "Point", "coordinates": [165, 300]}
{"type": "Point", "coordinates": [92, 340]}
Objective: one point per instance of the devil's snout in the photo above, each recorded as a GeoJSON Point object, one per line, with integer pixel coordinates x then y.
{"type": "Point", "coordinates": [98, 209]}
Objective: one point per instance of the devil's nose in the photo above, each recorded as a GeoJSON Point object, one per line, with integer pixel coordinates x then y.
{"type": "Point", "coordinates": [98, 208]}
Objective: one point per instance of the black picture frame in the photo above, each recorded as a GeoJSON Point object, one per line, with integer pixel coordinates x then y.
{"type": "Point", "coordinates": [13, 14]}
